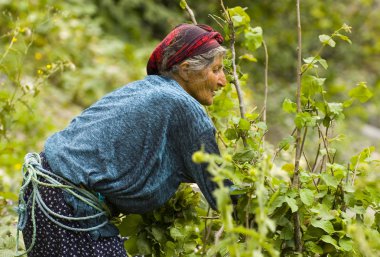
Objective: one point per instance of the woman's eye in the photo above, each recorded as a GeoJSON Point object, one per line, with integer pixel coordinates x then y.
{"type": "Point", "coordinates": [216, 70]}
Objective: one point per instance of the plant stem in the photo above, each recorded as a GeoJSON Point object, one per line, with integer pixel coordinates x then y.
{"type": "Point", "coordinates": [310, 168]}
{"type": "Point", "coordinates": [191, 13]}
{"type": "Point", "coordinates": [325, 143]}
{"type": "Point", "coordinates": [295, 182]}
{"type": "Point", "coordinates": [235, 75]}
{"type": "Point", "coordinates": [265, 81]}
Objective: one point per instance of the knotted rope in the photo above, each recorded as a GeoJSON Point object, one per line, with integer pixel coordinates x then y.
{"type": "Point", "coordinates": [32, 173]}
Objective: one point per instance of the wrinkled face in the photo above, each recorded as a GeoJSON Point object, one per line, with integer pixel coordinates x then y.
{"type": "Point", "coordinates": [203, 84]}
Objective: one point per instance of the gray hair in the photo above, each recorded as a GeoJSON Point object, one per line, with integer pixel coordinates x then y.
{"type": "Point", "coordinates": [196, 63]}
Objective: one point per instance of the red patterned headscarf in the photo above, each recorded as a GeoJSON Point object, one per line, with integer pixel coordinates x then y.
{"type": "Point", "coordinates": [190, 40]}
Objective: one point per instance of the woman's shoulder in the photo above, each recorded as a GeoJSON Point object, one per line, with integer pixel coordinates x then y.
{"type": "Point", "coordinates": [170, 92]}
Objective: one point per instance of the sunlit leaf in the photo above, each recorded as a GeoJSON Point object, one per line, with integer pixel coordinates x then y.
{"type": "Point", "coordinates": [307, 196]}
{"type": "Point", "coordinates": [289, 106]}
{"type": "Point", "coordinates": [330, 240]}
{"type": "Point", "coordinates": [361, 92]}
{"type": "Point", "coordinates": [292, 203]}
{"type": "Point", "coordinates": [323, 224]}
{"type": "Point", "coordinates": [327, 40]}
{"type": "Point", "coordinates": [253, 38]}
{"type": "Point", "coordinates": [330, 180]}
{"type": "Point", "coordinates": [239, 16]}
{"type": "Point", "coordinates": [313, 247]}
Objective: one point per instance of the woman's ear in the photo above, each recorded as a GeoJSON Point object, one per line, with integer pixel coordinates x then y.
{"type": "Point", "coordinates": [183, 71]}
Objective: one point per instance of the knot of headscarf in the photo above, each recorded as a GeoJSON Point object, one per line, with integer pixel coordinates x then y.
{"type": "Point", "coordinates": [189, 40]}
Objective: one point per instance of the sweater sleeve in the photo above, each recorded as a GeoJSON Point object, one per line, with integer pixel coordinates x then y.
{"type": "Point", "coordinates": [198, 172]}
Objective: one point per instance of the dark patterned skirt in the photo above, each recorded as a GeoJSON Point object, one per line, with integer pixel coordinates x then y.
{"type": "Point", "coordinates": [53, 240]}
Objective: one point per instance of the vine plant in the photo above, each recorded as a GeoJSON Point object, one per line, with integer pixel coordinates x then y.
{"type": "Point", "coordinates": [305, 207]}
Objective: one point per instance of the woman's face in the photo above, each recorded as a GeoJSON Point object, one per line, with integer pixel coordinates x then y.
{"type": "Point", "coordinates": [203, 84]}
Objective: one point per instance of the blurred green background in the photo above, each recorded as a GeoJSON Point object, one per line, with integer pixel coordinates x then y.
{"type": "Point", "coordinates": [57, 57]}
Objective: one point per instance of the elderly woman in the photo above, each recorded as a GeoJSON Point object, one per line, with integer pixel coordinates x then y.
{"type": "Point", "coordinates": [131, 150]}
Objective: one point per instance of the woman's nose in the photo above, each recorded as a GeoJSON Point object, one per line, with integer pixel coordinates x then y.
{"type": "Point", "coordinates": [222, 81]}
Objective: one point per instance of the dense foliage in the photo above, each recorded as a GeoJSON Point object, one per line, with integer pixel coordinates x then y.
{"type": "Point", "coordinates": [313, 190]}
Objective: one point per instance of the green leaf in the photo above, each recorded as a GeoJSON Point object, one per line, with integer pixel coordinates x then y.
{"type": "Point", "coordinates": [330, 180]}
{"type": "Point", "coordinates": [361, 92]}
{"type": "Point", "coordinates": [323, 224]}
{"type": "Point", "coordinates": [287, 233]}
{"type": "Point", "coordinates": [244, 124]}
{"type": "Point", "coordinates": [289, 106]}
{"type": "Point", "coordinates": [327, 40]}
{"type": "Point", "coordinates": [275, 202]}
{"type": "Point", "coordinates": [286, 142]}
{"type": "Point", "coordinates": [346, 244]}
{"type": "Point", "coordinates": [176, 234]}
{"type": "Point", "coordinates": [231, 134]}
{"type": "Point", "coordinates": [248, 57]}
{"type": "Point", "coordinates": [343, 37]}
{"type": "Point", "coordinates": [323, 212]}
{"type": "Point", "coordinates": [314, 60]}
{"type": "Point", "coordinates": [189, 247]}
{"type": "Point", "coordinates": [305, 119]}
{"type": "Point", "coordinates": [262, 126]}
{"type": "Point", "coordinates": [363, 156]}
{"type": "Point", "coordinates": [159, 234]}
{"type": "Point", "coordinates": [307, 196]}
{"type": "Point", "coordinates": [311, 85]}
{"type": "Point", "coordinates": [182, 4]}
{"type": "Point", "coordinates": [131, 245]}
{"type": "Point", "coordinates": [330, 240]}
{"type": "Point", "coordinates": [313, 247]}
{"type": "Point", "coordinates": [143, 246]}
{"type": "Point", "coordinates": [244, 156]}
{"type": "Point", "coordinates": [253, 38]}
{"type": "Point", "coordinates": [335, 108]}
{"type": "Point", "coordinates": [239, 16]}
{"type": "Point", "coordinates": [292, 203]}
{"type": "Point", "coordinates": [323, 62]}
{"type": "Point", "coordinates": [369, 217]}
{"type": "Point", "coordinates": [130, 225]}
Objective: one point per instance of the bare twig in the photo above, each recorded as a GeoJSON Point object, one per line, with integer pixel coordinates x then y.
{"type": "Point", "coordinates": [207, 231]}
{"type": "Point", "coordinates": [236, 81]}
{"type": "Point", "coordinates": [295, 182]}
{"type": "Point", "coordinates": [316, 159]}
{"type": "Point", "coordinates": [191, 13]}
{"type": "Point", "coordinates": [221, 139]}
{"type": "Point", "coordinates": [356, 168]}
{"type": "Point", "coordinates": [209, 218]}
{"type": "Point", "coordinates": [280, 149]}
{"type": "Point", "coordinates": [218, 234]}
{"type": "Point", "coordinates": [325, 143]}
{"type": "Point", "coordinates": [219, 20]}
{"type": "Point", "coordinates": [308, 164]}
{"type": "Point", "coordinates": [265, 81]}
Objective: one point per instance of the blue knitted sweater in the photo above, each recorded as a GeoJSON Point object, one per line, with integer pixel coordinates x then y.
{"type": "Point", "coordinates": [134, 146]}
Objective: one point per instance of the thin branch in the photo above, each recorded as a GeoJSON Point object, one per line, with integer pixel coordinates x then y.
{"type": "Point", "coordinates": [209, 218]}
{"type": "Point", "coordinates": [308, 164]}
{"type": "Point", "coordinates": [280, 149]}
{"type": "Point", "coordinates": [356, 168]}
{"type": "Point", "coordinates": [206, 232]}
{"type": "Point", "coordinates": [236, 81]}
{"type": "Point", "coordinates": [191, 13]}
{"type": "Point", "coordinates": [218, 234]}
{"type": "Point", "coordinates": [265, 81]}
{"type": "Point", "coordinates": [216, 20]}
{"type": "Point", "coordinates": [324, 138]}
{"type": "Point", "coordinates": [221, 139]}
{"type": "Point", "coordinates": [295, 182]}
{"type": "Point", "coordinates": [316, 159]}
